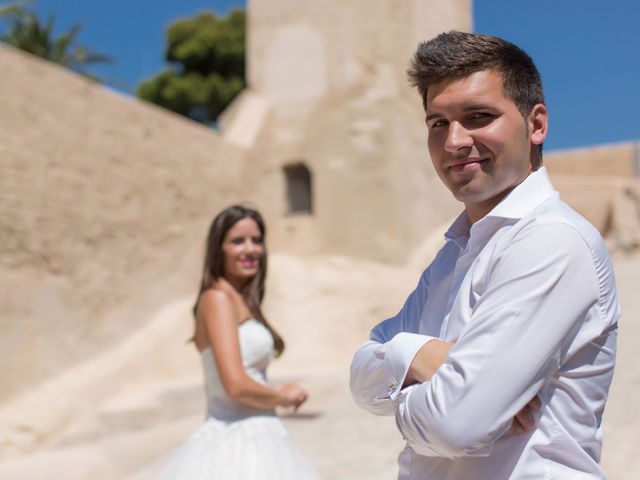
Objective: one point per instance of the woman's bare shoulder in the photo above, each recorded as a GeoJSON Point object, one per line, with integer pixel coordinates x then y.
{"type": "Point", "coordinates": [215, 298]}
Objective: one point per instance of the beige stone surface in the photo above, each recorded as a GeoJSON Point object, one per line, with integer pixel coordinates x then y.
{"type": "Point", "coordinates": [105, 199]}
{"type": "Point", "coordinates": [150, 387]}
{"type": "Point", "coordinates": [130, 406]}
{"type": "Point", "coordinates": [101, 198]}
{"type": "Point", "coordinates": [622, 426]}
{"type": "Point", "coordinates": [617, 160]}
{"type": "Point", "coordinates": [105, 205]}
{"type": "Point", "coordinates": [334, 75]}
{"type": "Point", "coordinates": [610, 203]}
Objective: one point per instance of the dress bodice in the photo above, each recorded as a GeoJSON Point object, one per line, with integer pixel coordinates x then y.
{"type": "Point", "coordinates": [256, 348]}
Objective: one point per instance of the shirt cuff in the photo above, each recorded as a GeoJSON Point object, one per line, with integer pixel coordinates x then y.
{"type": "Point", "coordinates": [399, 353]}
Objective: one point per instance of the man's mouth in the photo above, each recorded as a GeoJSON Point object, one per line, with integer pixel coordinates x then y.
{"type": "Point", "coordinates": [468, 164]}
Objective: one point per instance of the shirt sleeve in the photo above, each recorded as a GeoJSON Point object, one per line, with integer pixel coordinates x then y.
{"type": "Point", "coordinates": [380, 365]}
{"type": "Point", "coordinates": [537, 293]}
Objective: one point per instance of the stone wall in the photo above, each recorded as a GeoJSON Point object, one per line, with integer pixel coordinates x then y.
{"type": "Point", "coordinates": [614, 160]}
{"type": "Point", "coordinates": [328, 81]}
{"type": "Point", "coordinates": [102, 197]}
{"type": "Point", "coordinates": [602, 183]}
{"type": "Point", "coordinates": [106, 200]}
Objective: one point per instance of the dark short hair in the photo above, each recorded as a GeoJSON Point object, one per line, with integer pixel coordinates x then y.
{"type": "Point", "coordinates": [459, 54]}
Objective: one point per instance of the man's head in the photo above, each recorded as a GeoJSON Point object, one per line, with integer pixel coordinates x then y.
{"type": "Point", "coordinates": [485, 116]}
{"type": "Point", "coordinates": [458, 54]}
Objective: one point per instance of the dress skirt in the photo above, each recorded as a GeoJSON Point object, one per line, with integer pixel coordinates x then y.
{"type": "Point", "coordinates": [254, 448]}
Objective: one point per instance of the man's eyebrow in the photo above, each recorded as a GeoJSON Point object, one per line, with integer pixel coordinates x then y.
{"type": "Point", "coordinates": [478, 106]}
{"type": "Point", "coordinates": [474, 107]}
{"type": "Point", "coordinates": [433, 115]}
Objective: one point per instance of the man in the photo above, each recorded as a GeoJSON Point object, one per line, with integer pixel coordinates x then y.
{"type": "Point", "coordinates": [499, 363]}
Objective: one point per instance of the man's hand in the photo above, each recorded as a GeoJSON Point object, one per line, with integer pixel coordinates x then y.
{"type": "Point", "coordinates": [525, 421]}
{"type": "Point", "coordinates": [427, 360]}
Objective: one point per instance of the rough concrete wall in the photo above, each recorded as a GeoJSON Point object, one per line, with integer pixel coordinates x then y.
{"type": "Point", "coordinates": [617, 160]}
{"type": "Point", "coordinates": [375, 194]}
{"type": "Point", "coordinates": [334, 76]}
{"type": "Point", "coordinates": [301, 50]}
{"type": "Point", "coordinates": [610, 203]}
{"type": "Point", "coordinates": [103, 196]}
{"type": "Point", "coordinates": [602, 184]}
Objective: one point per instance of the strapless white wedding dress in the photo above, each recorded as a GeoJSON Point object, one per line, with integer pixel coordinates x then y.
{"type": "Point", "coordinates": [237, 442]}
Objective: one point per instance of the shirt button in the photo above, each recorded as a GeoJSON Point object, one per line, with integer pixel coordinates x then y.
{"type": "Point", "coordinates": [391, 387]}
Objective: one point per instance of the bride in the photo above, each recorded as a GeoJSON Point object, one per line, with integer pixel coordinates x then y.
{"type": "Point", "coordinates": [241, 438]}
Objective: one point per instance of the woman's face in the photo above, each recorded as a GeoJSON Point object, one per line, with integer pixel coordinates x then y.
{"type": "Point", "coordinates": [242, 248]}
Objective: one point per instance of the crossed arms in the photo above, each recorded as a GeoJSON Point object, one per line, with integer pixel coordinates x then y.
{"type": "Point", "coordinates": [518, 334]}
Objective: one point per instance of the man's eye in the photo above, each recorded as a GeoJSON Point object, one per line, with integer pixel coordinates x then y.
{"type": "Point", "coordinates": [479, 119]}
{"type": "Point", "coordinates": [439, 123]}
{"type": "Point", "coordinates": [479, 115]}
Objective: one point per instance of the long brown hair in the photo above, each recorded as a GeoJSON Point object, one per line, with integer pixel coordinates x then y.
{"type": "Point", "coordinates": [213, 269]}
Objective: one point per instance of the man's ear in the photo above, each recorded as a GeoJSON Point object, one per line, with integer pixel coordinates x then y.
{"type": "Point", "coordinates": [538, 121]}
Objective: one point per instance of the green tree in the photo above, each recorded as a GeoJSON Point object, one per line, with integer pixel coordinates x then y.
{"type": "Point", "coordinates": [206, 56]}
{"type": "Point", "coordinates": [27, 32]}
{"type": "Point", "coordinates": [10, 8]}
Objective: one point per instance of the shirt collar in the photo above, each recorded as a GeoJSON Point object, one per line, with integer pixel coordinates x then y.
{"type": "Point", "coordinates": [533, 190]}
{"type": "Point", "coordinates": [459, 230]}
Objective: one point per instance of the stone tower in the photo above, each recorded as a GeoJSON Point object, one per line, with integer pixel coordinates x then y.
{"type": "Point", "coordinates": [107, 200]}
{"type": "Point", "coordinates": [335, 141]}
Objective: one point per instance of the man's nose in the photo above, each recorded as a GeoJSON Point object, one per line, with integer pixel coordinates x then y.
{"type": "Point", "coordinates": [458, 138]}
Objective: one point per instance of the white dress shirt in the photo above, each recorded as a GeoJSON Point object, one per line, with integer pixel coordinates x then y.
{"type": "Point", "coordinates": [528, 295]}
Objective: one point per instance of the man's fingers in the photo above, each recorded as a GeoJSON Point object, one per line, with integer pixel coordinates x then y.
{"type": "Point", "coordinates": [516, 428]}
{"type": "Point", "coordinates": [524, 421]}
{"type": "Point", "coordinates": [535, 403]}
{"type": "Point", "coordinates": [525, 417]}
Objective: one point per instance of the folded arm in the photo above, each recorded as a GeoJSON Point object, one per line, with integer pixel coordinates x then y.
{"type": "Point", "coordinates": [381, 366]}
{"type": "Point", "coordinates": [535, 300]}
{"type": "Point", "coordinates": [379, 370]}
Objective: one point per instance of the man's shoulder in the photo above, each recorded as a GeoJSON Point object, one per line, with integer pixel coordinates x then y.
{"type": "Point", "coordinates": [570, 231]}
{"type": "Point", "coordinates": [556, 213]}
{"type": "Point", "coordinates": [554, 227]}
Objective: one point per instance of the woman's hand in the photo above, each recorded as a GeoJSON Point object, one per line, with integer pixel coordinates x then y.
{"type": "Point", "coordinates": [292, 395]}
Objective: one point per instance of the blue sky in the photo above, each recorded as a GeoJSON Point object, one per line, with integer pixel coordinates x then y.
{"type": "Point", "coordinates": [588, 54]}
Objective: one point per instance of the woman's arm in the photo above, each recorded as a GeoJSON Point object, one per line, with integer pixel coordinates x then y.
{"type": "Point", "coordinates": [217, 310]}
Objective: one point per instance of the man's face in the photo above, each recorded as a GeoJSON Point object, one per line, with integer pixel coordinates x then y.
{"type": "Point", "coordinates": [480, 144]}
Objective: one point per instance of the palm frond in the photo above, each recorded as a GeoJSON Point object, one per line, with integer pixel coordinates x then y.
{"type": "Point", "coordinates": [59, 51]}
{"type": "Point", "coordinates": [28, 32]}
{"type": "Point", "coordinates": [13, 7]}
